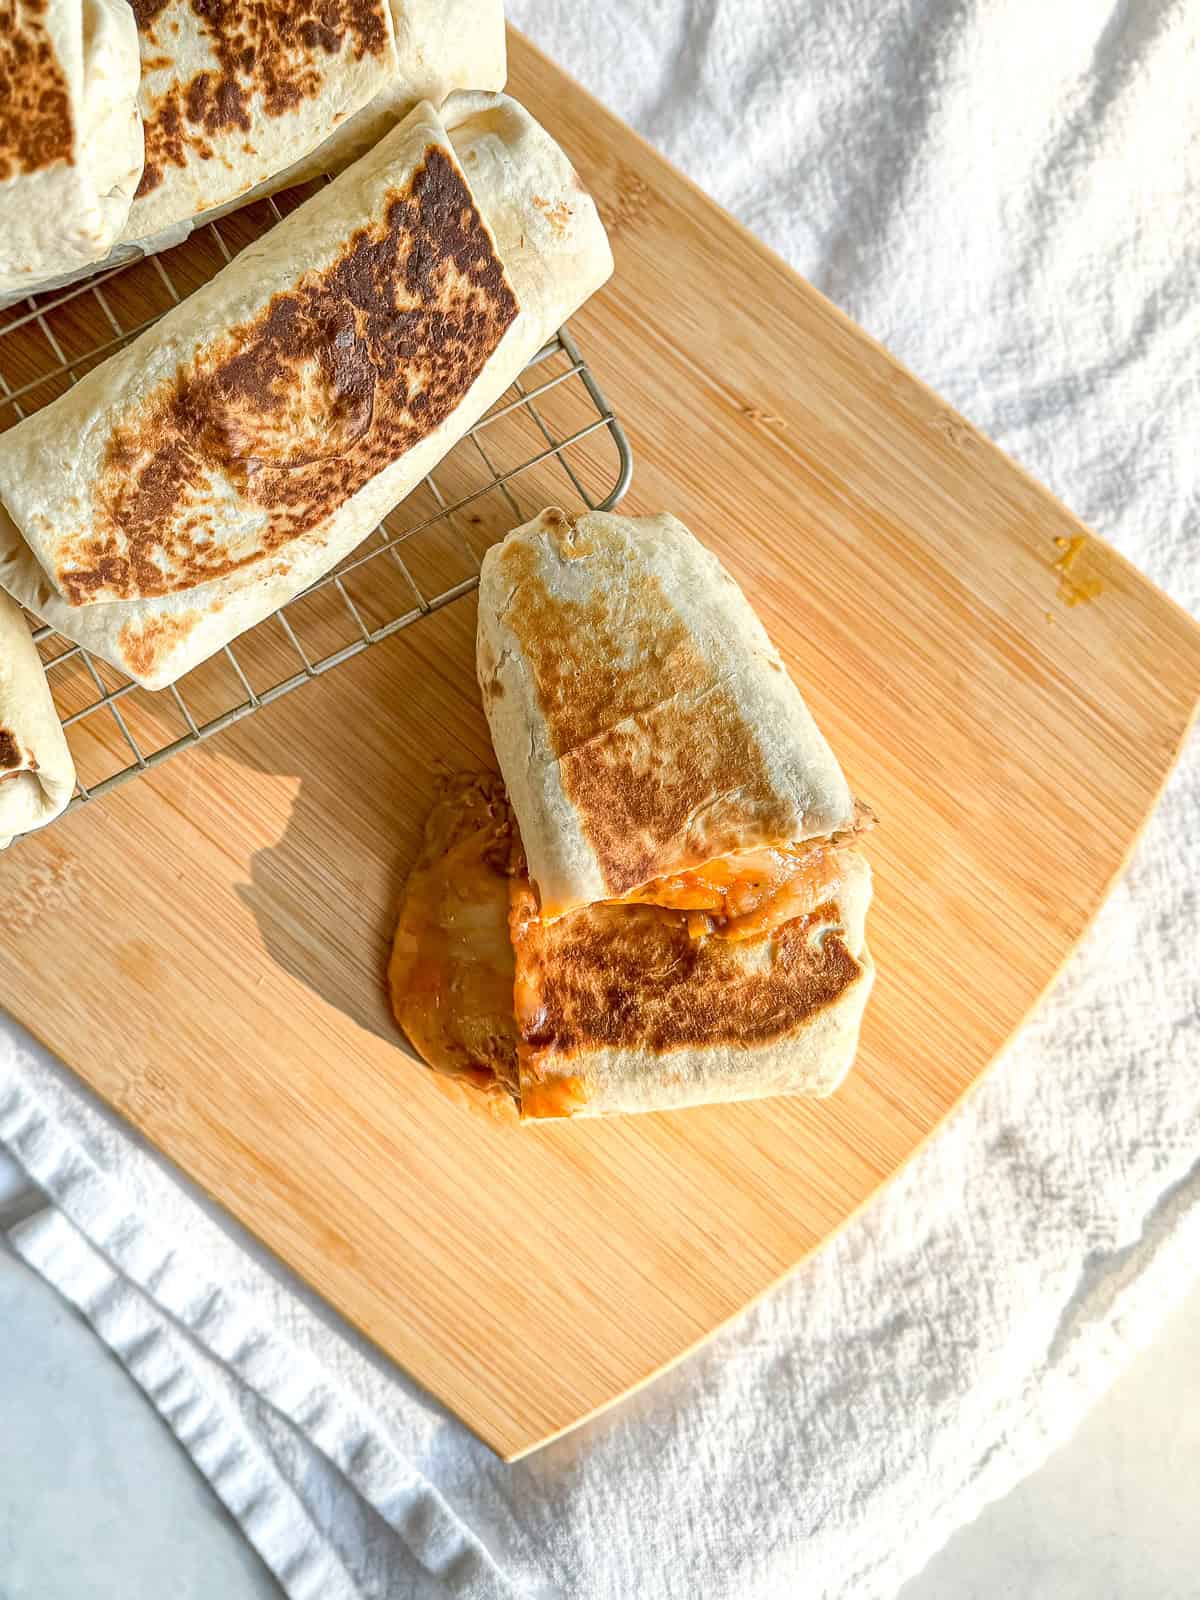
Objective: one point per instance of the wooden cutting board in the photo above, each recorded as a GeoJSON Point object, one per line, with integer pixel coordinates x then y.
{"type": "Point", "coordinates": [206, 946]}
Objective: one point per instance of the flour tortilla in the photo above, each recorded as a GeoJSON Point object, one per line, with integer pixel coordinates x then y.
{"type": "Point", "coordinates": [441, 46]}
{"type": "Point", "coordinates": [616, 1008]}
{"type": "Point", "coordinates": [434, 48]}
{"type": "Point", "coordinates": [231, 95]}
{"type": "Point", "coordinates": [642, 719]}
{"type": "Point", "coordinates": [70, 136]}
{"type": "Point", "coordinates": [37, 775]}
{"type": "Point", "coordinates": [628, 1012]}
{"type": "Point", "coordinates": [215, 556]}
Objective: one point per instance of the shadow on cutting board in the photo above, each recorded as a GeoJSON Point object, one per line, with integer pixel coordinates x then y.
{"type": "Point", "coordinates": [368, 740]}
{"type": "Point", "coordinates": [367, 743]}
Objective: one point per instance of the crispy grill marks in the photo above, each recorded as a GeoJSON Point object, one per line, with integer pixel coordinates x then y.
{"type": "Point", "coordinates": [144, 644]}
{"type": "Point", "coordinates": [662, 786]}
{"type": "Point", "coordinates": [596, 663]}
{"type": "Point", "coordinates": [36, 129]}
{"type": "Point", "coordinates": [266, 62]}
{"type": "Point", "coordinates": [301, 407]}
{"type": "Point", "coordinates": [631, 977]}
{"type": "Point", "coordinates": [653, 750]}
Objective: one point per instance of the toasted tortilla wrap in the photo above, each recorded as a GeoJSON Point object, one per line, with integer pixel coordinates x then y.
{"type": "Point", "coordinates": [237, 450]}
{"type": "Point", "coordinates": [233, 94]}
{"type": "Point", "coordinates": [441, 46]}
{"type": "Point", "coordinates": [70, 135]}
{"type": "Point", "coordinates": [615, 1008]}
{"type": "Point", "coordinates": [241, 101]}
{"type": "Point", "coordinates": [653, 744]}
{"type": "Point", "coordinates": [37, 775]}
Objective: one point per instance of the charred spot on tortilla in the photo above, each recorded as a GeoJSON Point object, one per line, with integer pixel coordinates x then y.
{"type": "Point", "coordinates": [582, 687]}
{"type": "Point", "coordinates": [143, 645]}
{"type": "Point", "coordinates": [557, 215]}
{"type": "Point", "coordinates": [10, 751]}
{"type": "Point", "coordinates": [632, 977]}
{"type": "Point", "coordinates": [265, 61]}
{"type": "Point", "coordinates": [304, 404]}
{"type": "Point", "coordinates": [634, 787]}
{"type": "Point", "coordinates": [36, 127]}
{"type": "Point", "coordinates": [145, 12]}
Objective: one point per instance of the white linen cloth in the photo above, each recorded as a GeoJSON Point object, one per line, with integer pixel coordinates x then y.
{"type": "Point", "coordinates": [1007, 193]}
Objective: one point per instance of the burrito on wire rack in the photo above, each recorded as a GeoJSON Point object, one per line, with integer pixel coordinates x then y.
{"type": "Point", "coordinates": [663, 904]}
{"type": "Point", "coordinates": [241, 99]}
{"type": "Point", "coordinates": [238, 449]}
{"type": "Point", "coordinates": [70, 135]}
{"type": "Point", "coordinates": [37, 775]}
{"type": "Point", "coordinates": [237, 101]}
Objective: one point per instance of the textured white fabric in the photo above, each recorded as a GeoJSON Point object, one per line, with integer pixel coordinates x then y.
{"type": "Point", "coordinates": [1008, 194]}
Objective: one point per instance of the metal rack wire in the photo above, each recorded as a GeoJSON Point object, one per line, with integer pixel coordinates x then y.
{"type": "Point", "coordinates": [551, 439]}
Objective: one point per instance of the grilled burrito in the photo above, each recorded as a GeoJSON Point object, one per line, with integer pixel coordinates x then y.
{"type": "Point", "coordinates": [663, 904]}
{"type": "Point", "coordinates": [70, 135]}
{"type": "Point", "coordinates": [237, 450]}
{"type": "Point", "coordinates": [239, 100]}
{"type": "Point", "coordinates": [37, 775]}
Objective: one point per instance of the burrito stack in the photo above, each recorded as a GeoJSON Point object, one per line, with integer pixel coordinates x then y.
{"type": "Point", "coordinates": [240, 100]}
{"type": "Point", "coordinates": [123, 127]}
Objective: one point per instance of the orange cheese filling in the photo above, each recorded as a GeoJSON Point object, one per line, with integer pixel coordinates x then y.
{"type": "Point", "coordinates": [742, 895]}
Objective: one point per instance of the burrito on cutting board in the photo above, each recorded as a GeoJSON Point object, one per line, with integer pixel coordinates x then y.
{"type": "Point", "coordinates": [666, 905]}
{"type": "Point", "coordinates": [70, 135]}
{"type": "Point", "coordinates": [238, 449]}
{"type": "Point", "coordinates": [37, 775]}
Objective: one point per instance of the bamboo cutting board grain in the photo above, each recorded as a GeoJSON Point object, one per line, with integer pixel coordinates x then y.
{"type": "Point", "coordinates": [206, 946]}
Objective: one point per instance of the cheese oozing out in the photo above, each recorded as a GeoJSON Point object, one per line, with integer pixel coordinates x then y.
{"type": "Point", "coordinates": [747, 893]}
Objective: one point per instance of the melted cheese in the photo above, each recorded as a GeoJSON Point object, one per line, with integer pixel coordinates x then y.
{"type": "Point", "coordinates": [544, 1098]}
{"type": "Point", "coordinates": [451, 973]}
{"type": "Point", "coordinates": [478, 1014]}
{"type": "Point", "coordinates": [751, 892]}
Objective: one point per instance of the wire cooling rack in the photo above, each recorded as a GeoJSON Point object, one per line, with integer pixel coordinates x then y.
{"type": "Point", "coordinates": [552, 439]}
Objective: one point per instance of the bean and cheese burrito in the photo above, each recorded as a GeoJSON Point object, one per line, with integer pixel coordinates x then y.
{"type": "Point", "coordinates": [241, 447]}
{"type": "Point", "coordinates": [614, 1008]}
{"type": "Point", "coordinates": [70, 135]}
{"type": "Point", "coordinates": [37, 775]}
{"type": "Point", "coordinates": [664, 906]}
{"type": "Point", "coordinates": [442, 46]}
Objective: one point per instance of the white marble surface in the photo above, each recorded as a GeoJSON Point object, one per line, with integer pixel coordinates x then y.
{"type": "Point", "coordinates": [1111, 1516]}
{"type": "Point", "coordinates": [97, 1502]}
